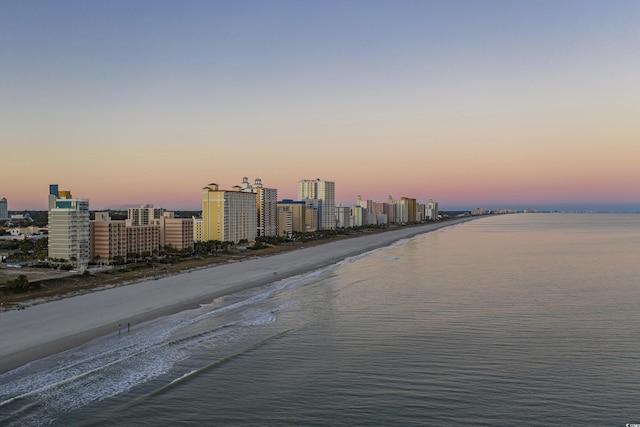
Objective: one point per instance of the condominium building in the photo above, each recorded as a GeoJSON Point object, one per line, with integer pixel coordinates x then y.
{"type": "Point", "coordinates": [432, 210]}
{"type": "Point", "coordinates": [69, 230]}
{"type": "Point", "coordinates": [142, 240]}
{"type": "Point", "coordinates": [144, 214]}
{"type": "Point", "coordinates": [266, 206]}
{"type": "Point", "coordinates": [175, 232]}
{"type": "Point", "coordinates": [402, 210]}
{"type": "Point", "coordinates": [324, 191]}
{"type": "Point", "coordinates": [390, 210]}
{"type": "Point", "coordinates": [108, 239]}
{"type": "Point", "coordinates": [358, 214]}
{"type": "Point", "coordinates": [228, 215]}
{"type": "Point", "coordinates": [412, 208]}
{"type": "Point", "coordinates": [343, 217]}
{"type": "Point", "coordinates": [298, 210]}
{"type": "Point", "coordinates": [4, 210]}
{"type": "Point", "coordinates": [285, 222]}
{"type": "Point", "coordinates": [197, 229]}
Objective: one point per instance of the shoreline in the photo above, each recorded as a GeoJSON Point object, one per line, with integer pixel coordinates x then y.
{"type": "Point", "coordinates": [53, 327]}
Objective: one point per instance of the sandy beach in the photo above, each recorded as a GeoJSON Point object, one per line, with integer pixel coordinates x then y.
{"type": "Point", "coordinates": [49, 328]}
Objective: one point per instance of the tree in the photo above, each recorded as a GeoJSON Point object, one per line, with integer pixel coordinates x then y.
{"type": "Point", "coordinates": [20, 284]}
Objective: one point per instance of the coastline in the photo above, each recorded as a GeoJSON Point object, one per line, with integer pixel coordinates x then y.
{"type": "Point", "coordinates": [56, 326]}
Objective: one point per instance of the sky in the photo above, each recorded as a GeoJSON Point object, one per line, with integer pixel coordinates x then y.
{"type": "Point", "coordinates": [470, 103]}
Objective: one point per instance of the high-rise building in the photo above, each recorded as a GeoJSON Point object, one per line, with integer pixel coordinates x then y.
{"type": "Point", "coordinates": [285, 222]}
{"type": "Point", "coordinates": [412, 208]}
{"type": "Point", "coordinates": [324, 191]}
{"type": "Point", "coordinates": [108, 239]}
{"type": "Point", "coordinates": [142, 240]}
{"type": "Point", "coordinates": [197, 229]}
{"type": "Point", "coordinates": [343, 217]}
{"type": "Point", "coordinates": [298, 210]}
{"type": "Point", "coordinates": [432, 210]}
{"type": "Point", "coordinates": [4, 209]}
{"type": "Point", "coordinates": [266, 206]}
{"type": "Point", "coordinates": [175, 232]}
{"type": "Point", "coordinates": [228, 215]}
{"type": "Point", "coordinates": [144, 215]}
{"type": "Point", "coordinates": [69, 230]}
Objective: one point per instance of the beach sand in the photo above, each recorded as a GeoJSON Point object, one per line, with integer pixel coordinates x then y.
{"type": "Point", "coordinates": [45, 329]}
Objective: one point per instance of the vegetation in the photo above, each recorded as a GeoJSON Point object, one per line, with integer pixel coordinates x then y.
{"type": "Point", "coordinates": [20, 284]}
{"type": "Point", "coordinates": [168, 260]}
{"type": "Point", "coordinates": [27, 249]}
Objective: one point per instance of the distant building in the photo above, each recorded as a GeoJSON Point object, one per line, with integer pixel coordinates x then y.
{"type": "Point", "coordinates": [343, 217]}
{"type": "Point", "coordinates": [432, 210]}
{"type": "Point", "coordinates": [313, 215]}
{"type": "Point", "coordinates": [402, 210]}
{"type": "Point", "coordinates": [69, 230]}
{"type": "Point", "coordinates": [4, 209]}
{"type": "Point", "coordinates": [324, 191]}
{"type": "Point", "coordinates": [358, 213]}
{"type": "Point", "coordinates": [285, 222]}
{"type": "Point", "coordinates": [228, 215]}
{"type": "Point", "coordinates": [298, 210]}
{"type": "Point", "coordinates": [390, 210]}
{"type": "Point", "coordinates": [411, 208]}
{"type": "Point", "coordinates": [144, 215]}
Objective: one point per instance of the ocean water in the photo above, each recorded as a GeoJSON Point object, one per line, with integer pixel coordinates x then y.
{"type": "Point", "coordinates": [529, 319]}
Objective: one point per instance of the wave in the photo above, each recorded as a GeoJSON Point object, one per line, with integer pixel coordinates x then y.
{"type": "Point", "coordinates": [116, 363]}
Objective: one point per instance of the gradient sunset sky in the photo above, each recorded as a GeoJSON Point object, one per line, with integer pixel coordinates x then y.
{"type": "Point", "coordinates": [470, 103]}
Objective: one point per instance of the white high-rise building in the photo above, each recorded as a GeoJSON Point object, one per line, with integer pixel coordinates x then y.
{"type": "Point", "coordinates": [69, 229]}
{"type": "Point", "coordinates": [266, 205]}
{"type": "Point", "coordinates": [432, 210]}
{"type": "Point", "coordinates": [324, 191]}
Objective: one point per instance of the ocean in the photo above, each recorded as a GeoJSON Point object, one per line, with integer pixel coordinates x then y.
{"type": "Point", "coordinates": [526, 319]}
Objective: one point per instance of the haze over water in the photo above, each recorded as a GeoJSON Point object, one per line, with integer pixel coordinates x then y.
{"type": "Point", "coordinates": [527, 319]}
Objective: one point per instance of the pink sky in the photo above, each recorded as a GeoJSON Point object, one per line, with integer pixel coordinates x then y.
{"type": "Point", "coordinates": [514, 108]}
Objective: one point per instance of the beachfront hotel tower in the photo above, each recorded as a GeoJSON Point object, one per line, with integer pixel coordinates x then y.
{"type": "Point", "coordinates": [266, 205]}
{"type": "Point", "coordinates": [228, 216]}
{"type": "Point", "coordinates": [325, 192]}
{"type": "Point", "coordinates": [69, 232]}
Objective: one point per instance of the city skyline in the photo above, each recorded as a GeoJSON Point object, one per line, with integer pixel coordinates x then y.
{"type": "Point", "coordinates": [494, 104]}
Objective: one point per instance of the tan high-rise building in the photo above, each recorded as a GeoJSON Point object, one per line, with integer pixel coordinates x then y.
{"type": "Point", "coordinates": [412, 208]}
{"type": "Point", "coordinates": [298, 211]}
{"type": "Point", "coordinates": [197, 229]}
{"type": "Point", "coordinates": [144, 215]}
{"type": "Point", "coordinates": [285, 222]}
{"type": "Point", "coordinates": [175, 232]}
{"type": "Point", "coordinates": [228, 215]}
{"type": "Point", "coordinates": [108, 239]}
{"type": "Point", "coordinates": [142, 240]}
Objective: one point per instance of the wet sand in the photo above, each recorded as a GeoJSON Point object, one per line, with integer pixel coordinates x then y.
{"type": "Point", "coordinates": [52, 327]}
